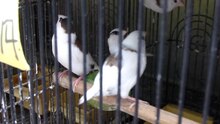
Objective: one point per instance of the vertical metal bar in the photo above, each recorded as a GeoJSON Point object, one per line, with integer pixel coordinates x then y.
{"type": "Point", "coordinates": [108, 13]}
{"type": "Point", "coordinates": [63, 108]}
{"type": "Point", "coordinates": [175, 59]}
{"type": "Point", "coordinates": [156, 21]}
{"type": "Point", "coordinates": [114, 12]}
{"type": "Point", "coordinates": [76, 21]}
{"type": "Point", "coordinates": [120, 26]}
{"type": "Point", "coordinates": [1, 94]}
{"type": "Point", "coordinates": [50, 60]}
{"type": "Point", "coordinates": [175, 15]}
{"type": "Point", "coordinates": [29, 37]}
{"type": "Point", "coordinates": [132, 10]}
{"type": "Point", "coordinates": [2, 99]}
{"type": "Point", "coordinates": [128, 13]}
{"type": "Point", "coordinates": [140, 44]}
{"type": "Point", "coordinates": [101, 10]}
{"type": "Point", "coordinates": [160, 59]}
{"type": "Point", "coordinates": [31, 93]}
{"type": "Point", "coordinates": [125, 14]}
{"type": "Point", "coordinates": [54, 15]}
{"type": "Point", "coordinates": [42, 61]}
{"type": "Point", "coordinates": [71, 96]}
{"type": "Point", "coordinates": [49, 56]}
{"type": "Point", "coordinates": [83, 26]}
{"type": "Point", "coordinates": [21, 96]}
{"type": "Point", "coordinates": [33, 58]}
{"type": "Point", "coordinates": [46, 31]}
{"type": "Point", "coordinates": [93, 29]}
{"type": "Point", "coordinates": [151, 25]}
{"type": "Point", "coordinates": [185, 61]}
{"type": "Point", "coordinates": [11, 95]}
{"type": "Point", "coordinates": [196, 57]}
{"type": "Point", "coordinates": [168, 60]}
{"type": "Point", "coordinates": [136, 13]}
{"type": "Point", "coordinates": [212, 62]}
{"type": "Point", "coordinates": [204, 34]}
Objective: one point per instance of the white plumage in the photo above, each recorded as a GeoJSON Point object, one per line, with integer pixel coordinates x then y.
{"type": "Point", "coordinates": [76, 53]}
{"type": "Point", "coordinates": [128, 70]}
{"type": "Point", "coordinates": [156, 6]}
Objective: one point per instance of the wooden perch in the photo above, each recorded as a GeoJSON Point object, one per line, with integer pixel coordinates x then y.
{"type": "Point", "coordinates": [145, 111]}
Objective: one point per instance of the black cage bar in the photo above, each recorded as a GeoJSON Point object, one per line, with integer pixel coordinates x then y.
{"type": "Point", "coordinates": [182, 67]}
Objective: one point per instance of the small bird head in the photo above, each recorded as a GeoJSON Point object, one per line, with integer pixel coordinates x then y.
{"type": "Point", "coordinates": [61, 17]}
{"type": "Point", "coordinates": [60, 20]}
{"type": "Point", "coordinates": [115, 32]}
{"type": "Point", "coordinates": [63, 23]}
{"type": "Point", "coordinates": [113, 40]}
{"type": "Point", "coordinates": [131, 41]}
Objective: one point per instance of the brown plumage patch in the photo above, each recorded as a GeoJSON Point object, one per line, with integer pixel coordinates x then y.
{"type": "Point", "coordinates": [78, 43]}
{"type": "Point", "coordinates": [64, 24]}
{"type": "Point", "coordinates": [126, 34]}
{"type": "Point", "coordinates": [112, 61]}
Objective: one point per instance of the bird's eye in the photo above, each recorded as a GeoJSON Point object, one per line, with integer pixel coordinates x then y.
{"type": "Point", "coordinates": [60, 19]}
{"type": "Point", "coordinates": [115, 32]}
{"type": "Point", "coordinates": [92, 66]}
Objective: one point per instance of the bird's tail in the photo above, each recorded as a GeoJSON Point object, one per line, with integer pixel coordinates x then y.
{"type": "Point", "coordinates": [89, 94]}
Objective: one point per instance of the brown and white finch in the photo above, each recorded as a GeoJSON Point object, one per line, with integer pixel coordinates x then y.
{"type": "Point", "coordinates": [129, 64]}
{"type": "Point", "coordinates": [76, 50]}
{"type": "Point", "coordinates": [156, 5]}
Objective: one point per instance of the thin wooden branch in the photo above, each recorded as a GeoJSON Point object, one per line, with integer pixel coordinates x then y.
{"type": "Point", "coordinates": [145, 111]}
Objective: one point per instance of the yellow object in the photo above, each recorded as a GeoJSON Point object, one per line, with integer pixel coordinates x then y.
{"type": "Point", "coordinates": [195, 116]}
{"type": "Point", "coordinates": [11, 51]}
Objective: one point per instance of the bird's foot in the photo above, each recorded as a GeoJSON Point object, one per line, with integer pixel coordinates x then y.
{"type": "Point", "coordinates": [133, 100]}
{"type": "Point", "coordinates": [62, 74]}
{"type": "Point", "coordinates": [76, 82]}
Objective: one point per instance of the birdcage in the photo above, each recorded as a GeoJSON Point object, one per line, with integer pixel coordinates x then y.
{"type": "Point", "coordinates": [178, 85]}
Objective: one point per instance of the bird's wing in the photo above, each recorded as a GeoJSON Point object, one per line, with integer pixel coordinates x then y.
{"type": "Point", "coordinates": [129, 70]}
